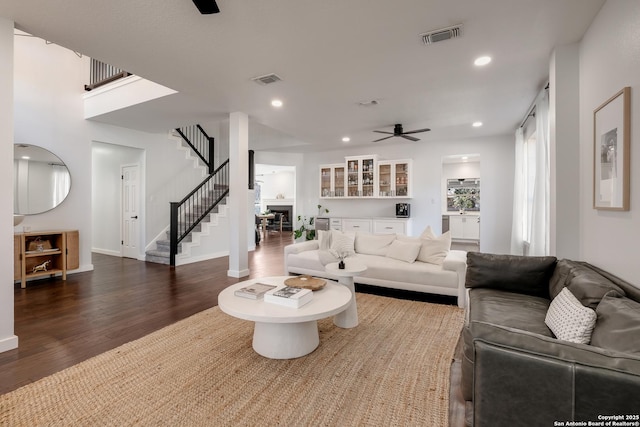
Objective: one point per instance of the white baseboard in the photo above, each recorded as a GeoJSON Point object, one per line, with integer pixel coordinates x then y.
{"type": "Point", "coordinates": [109, 252]}
{"type": "Point", "coordinates": [8, 343]}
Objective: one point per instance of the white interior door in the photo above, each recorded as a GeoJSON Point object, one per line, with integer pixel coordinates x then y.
{"type": "Point", "coordinates": [130, 202]}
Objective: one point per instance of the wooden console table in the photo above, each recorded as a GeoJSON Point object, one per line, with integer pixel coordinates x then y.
{"type": "Point", "coordinates": [59, 255]}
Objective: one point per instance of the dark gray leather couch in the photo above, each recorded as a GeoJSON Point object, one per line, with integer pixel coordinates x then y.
{"type": "Point", "coordinates": [518, 374]}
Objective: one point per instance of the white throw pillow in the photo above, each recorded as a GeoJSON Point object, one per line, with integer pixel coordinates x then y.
{"type": "Point", "coordinates": [569, 320]}
{"type": "Point", "coordinates": [434, 249]}
{"type": "Point", "coordinates": [428, 233]}
{"type": "Point", "coordinates": [343, 243]}
{"type": "Point", "coordinates": [324, 240]}
{"type": "Point", "coordinates": [403, 250]}
{"type": "Point", "coordinates": [373, 244]}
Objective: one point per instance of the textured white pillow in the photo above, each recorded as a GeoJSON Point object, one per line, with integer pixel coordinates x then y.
{"type": "Point", "coordinates": [403, 250]}
{"type": "Point", "coordinates": [569, 320]}
{"type": "Point", "coordinates": [343, 243]}
{"type": "Point", "coordinates": [373, 244]}
{"type": "Point", "coordinates": [434, 249]}
{"type": "Point", "coordinates": [324, 240]}
{"type": "Point", "coordinates": [428, 233]}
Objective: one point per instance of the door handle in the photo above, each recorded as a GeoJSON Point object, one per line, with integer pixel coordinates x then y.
{"type": "Point", "coordinates": [134, 217]}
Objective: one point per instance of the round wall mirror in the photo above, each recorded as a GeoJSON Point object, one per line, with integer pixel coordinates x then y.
{"type": "Point", "coordinates": [41, 181]}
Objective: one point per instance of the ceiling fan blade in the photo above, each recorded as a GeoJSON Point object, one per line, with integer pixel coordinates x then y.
{"type": "Point", "coordinates": [382, 139]}
{"type": "Point", "coordinates": [381, 131]}
{"type": "Point", "coordinates": [417, 131]}
{"type": "Point", "coordinates": [410, 138]}
{"type": "Point", "coordinates": [207, 7]}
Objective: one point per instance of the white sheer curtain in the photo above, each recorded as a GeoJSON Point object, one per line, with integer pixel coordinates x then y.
{"type": "Point", "coordinates": [530, 227]}
{"type": "Point", "coordinates": [61, 183]}
{"type": "Point", "coordinates": [539, 244]}
{"type": "Point", "coordinates": [517, 234]}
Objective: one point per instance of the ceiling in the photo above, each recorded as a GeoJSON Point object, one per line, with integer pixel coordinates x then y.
{"type": "Point", "coordinates": [330, 54]}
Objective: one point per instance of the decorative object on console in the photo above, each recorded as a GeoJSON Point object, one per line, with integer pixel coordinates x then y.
{"type": "Point", "coordinates": [611, 159]}
{"type": "Point", "coordinates": [41, 267]}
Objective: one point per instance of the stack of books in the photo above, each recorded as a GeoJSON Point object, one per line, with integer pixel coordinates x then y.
{"type": "Point", "coordinates": [289, 297]}
{"type": "Point", "coordinates": [254, 291]}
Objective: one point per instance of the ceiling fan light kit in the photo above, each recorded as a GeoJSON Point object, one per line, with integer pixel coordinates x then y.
{"type": "Point", "coordinates": [398, 132]}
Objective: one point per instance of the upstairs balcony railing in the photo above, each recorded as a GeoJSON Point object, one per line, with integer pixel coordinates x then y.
{"type": "Point", "coordinates": [101, 74]}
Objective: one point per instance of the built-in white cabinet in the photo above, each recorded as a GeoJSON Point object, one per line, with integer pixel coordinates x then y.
{"type": "Point", "coordinates": [464, 227]}
{"type": "Point", "coordinates": [394, 178]}
{"type": "Point", "coordinates": [332, 180]}
{"type": "Point", "coordinates": [372, 225]}
{"type": "Point", "coordinates": [366, 177]}
{"type": "Point", "coordinates": [356, 224]}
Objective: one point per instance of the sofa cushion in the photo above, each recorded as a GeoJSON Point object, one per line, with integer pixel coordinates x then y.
{"type": "Point", "coordinates": [404, 250]}
{"type": "Point", "coordinates": [589, 286]}
{"type": "Point", "coordinates": [433, 249]}
{"type": "Point", "coordinates": [559, 277]}
{"type": "Point", "coordinates": [324, 239]}
{"type": "Point", "coordinates": [618, 324]}
{"type": "Point", "coordinates": [515, 310]}
{"type": "Point", "coordinates": [373, 244]}
{"type": "Point", "coordinates": [569, 320]}
{"type": "Point", "coordinates": [527, 275]}
{"type": "Point", "coordinates": [385, 269]}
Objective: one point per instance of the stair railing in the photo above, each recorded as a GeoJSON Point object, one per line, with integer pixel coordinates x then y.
{"type": "Point", "coordinates": [201, 143]}
{"type": "Point", "coordinates": [187, 213]}
{"type": "Point", "coordinates": [101, 73]}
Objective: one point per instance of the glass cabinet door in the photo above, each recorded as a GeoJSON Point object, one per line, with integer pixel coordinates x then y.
{"type": "Point", "coordinates": [325, 182]}
{"type": "Point", "coordinates": [352, 178]}
{"type": "Point", "coordinates": [402, 179]}
{"type": "Point", "coordinates": [338, 181]}
{"type": "Point", "coordinates": [367, 177]}
{"type": "Point", "coordinates": [384, 180]}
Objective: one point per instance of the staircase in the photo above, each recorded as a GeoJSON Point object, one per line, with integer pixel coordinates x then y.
{"type": "Point", "coordinates": [200, 213]}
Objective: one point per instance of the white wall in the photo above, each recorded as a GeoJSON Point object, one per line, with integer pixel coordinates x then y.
{"type": "Point", "coordinates": [8, 340]}
{"type": "Point", "coordinates": [168, 173]}
{"type": "Point", "coordinates": [106, 195]}
{"type": "Point", "coordinates": [48, 112]}
{"type": "Point", "coordinates": [609, 61]}
{"type": "Point", "coordinates": [278, 183]}
{"type": "Point", "coordinates": [496, 158]}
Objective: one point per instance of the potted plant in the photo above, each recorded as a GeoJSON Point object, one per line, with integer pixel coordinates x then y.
{"type": "Point", "coordinates": [322, 211]}
{"type": "Point", "coordinates": [462, 202]}
{"type": "Point", "coordinates": [305, 228]}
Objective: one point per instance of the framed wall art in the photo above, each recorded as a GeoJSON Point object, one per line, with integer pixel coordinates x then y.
{"type": "Point", "coordinates": [611, 157]}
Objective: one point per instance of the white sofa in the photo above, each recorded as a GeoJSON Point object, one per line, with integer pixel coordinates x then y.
{"type": "Point", "coordinates": [447, 278]}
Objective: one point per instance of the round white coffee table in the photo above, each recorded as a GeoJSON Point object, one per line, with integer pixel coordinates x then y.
{"type": "Point", "coordinates": [349, 317]}
{"type": "Point", "coordinates": [283, 332]}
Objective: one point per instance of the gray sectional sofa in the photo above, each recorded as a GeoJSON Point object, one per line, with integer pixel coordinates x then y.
{"type": "Point", "coordinates": [516, 372]}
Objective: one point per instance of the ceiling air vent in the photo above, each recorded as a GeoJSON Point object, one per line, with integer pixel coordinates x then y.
{"type": "Point", "coordinates": [268, 79]}
{"type": "Point", "coordinates": [442, 34]}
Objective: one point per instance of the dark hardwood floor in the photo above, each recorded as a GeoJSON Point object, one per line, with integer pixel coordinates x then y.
{"type": "Point", "coordinates": [61, 323]}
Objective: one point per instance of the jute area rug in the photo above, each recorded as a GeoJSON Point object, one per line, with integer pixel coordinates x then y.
{"type": "Point", "coordinates": [391, 370]}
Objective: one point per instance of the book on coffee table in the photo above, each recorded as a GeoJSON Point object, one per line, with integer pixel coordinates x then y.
{"type": "Point", "coordinates": [289, 297]}
{"type": "Point", "coordinates": [254, 291]}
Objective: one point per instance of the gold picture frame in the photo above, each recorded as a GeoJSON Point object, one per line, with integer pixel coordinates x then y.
{"type": "Point", "coordinates": [611, 157]}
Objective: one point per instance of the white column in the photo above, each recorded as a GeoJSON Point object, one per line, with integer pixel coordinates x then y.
{"type": "Point", "coordinates": [8, 340]}
{"type": "Point", "coordinates": [238, 201]}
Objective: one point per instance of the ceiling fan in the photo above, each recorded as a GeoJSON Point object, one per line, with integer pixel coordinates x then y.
{"type": "Point", "coordinates": [397, 131]}
{"type": "Point", "coordinates": [206, 7]}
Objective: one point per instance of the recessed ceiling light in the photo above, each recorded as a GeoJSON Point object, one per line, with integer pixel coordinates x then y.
{"type": "Point", "coordinates": [464, 157]}
{"type": "Point", "coordinates": [346, 139]}
{"type": "Point", "coordinates": [483, 60]}
{"type": "Point", "coordinates": [26, 157]}
{"type": "Point", "coordinates": [476, 124]}
{"type": "Point", "coordinates": [276, 103]}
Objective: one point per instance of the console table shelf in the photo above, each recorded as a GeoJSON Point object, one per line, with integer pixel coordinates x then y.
{"type": "Point", "coordinates": [55, 257]}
